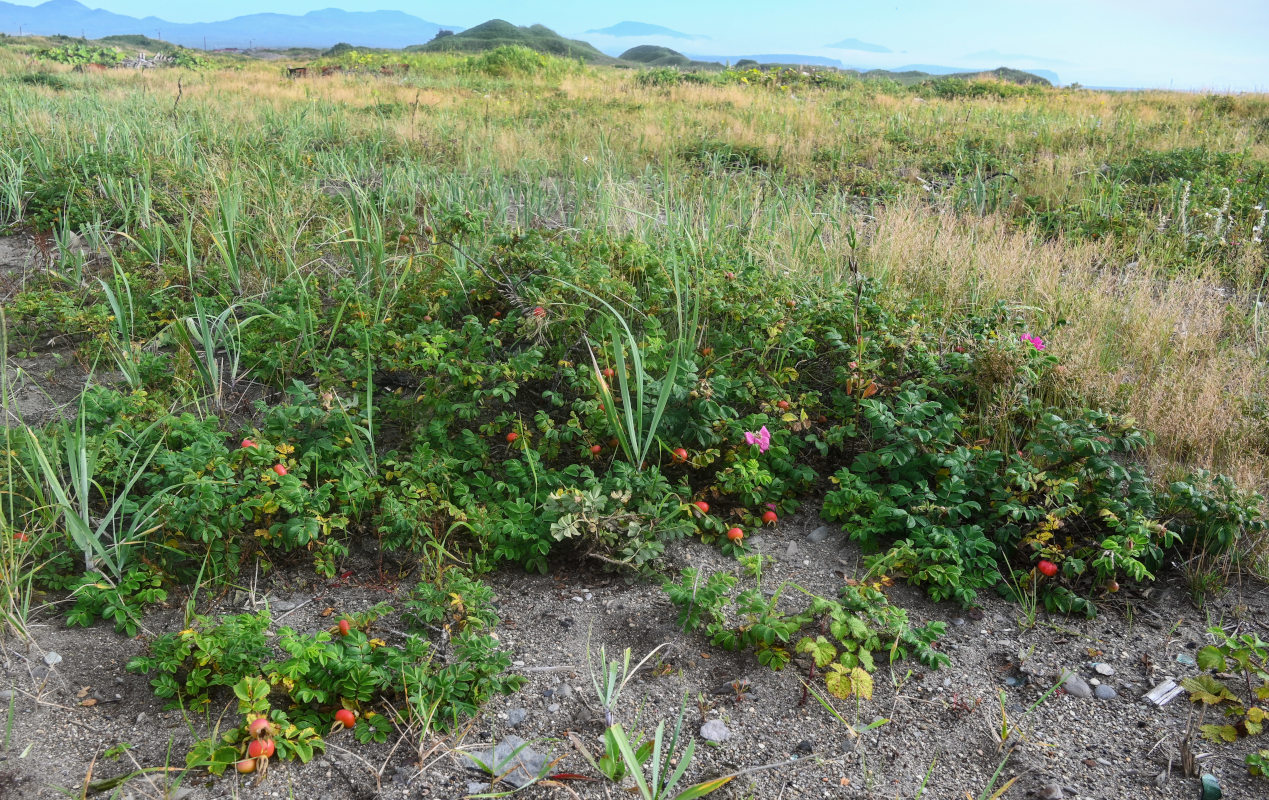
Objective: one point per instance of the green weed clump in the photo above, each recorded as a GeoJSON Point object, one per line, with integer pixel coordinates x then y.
{"type": "Point", "coordinates": [511, 61]}
{"type": "Point", "coordinates": [78, 54]}
{"type": "Point", "coordinates": [347, 666]}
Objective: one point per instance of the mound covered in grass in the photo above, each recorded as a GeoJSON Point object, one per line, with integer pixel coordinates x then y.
{"type": "Point", "coordinates": [655, 56]}
{"type": "Point", "coordinates": [499, 33]}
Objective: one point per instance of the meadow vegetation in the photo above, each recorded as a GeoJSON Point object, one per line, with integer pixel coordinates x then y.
{"type": "Point", "coordinates": [503, 309]}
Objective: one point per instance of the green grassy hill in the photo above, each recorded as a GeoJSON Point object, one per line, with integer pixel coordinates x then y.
{"type": "Point", "coordinates": [650, 55]}
{"type": "Point", "coordinates": [132, 41]}
{"type": "Point", "coordinates": [1005, 74]}
{"type": "Point", "coordinates": [500, 33]}
{"type": "Point", "coordinates": [911, 77]}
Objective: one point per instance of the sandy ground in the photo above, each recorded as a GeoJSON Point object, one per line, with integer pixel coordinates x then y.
{"type": "Point", "coordinates": [940, 736]}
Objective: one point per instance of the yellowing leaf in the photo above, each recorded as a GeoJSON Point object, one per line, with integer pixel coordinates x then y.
{"type": "Point", "coordinates": [1207, 690]}
{"type": "Point", "coordinates": [862, 683]}
{"type": "Point", "coordinates": [1219, 733]}
{"type": "Point", "coordinates": [838, 681]}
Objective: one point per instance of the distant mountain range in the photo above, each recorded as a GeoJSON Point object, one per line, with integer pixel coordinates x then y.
{"type": "Point", "coordinates": [398, 30]}
{"type": "Point", "coordinates": [855, 44]}
{"type": "Point", "coordinates": [628, 29]}
{"type": "Point", "coordinates": [315, 29]}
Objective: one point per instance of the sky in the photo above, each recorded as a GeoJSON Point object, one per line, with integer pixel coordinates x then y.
{"type": "Point", "coordinates": [1181, 44]}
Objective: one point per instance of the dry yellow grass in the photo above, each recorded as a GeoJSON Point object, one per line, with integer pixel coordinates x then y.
{"type": "Point", "coordinates": [1174, 353]}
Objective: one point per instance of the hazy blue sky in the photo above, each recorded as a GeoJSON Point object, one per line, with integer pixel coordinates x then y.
{"type": "Point", "coordinates": [1184, 44]}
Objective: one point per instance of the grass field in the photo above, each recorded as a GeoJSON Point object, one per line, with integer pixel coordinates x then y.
{"type": "Point", "coordinates": [504, 309]}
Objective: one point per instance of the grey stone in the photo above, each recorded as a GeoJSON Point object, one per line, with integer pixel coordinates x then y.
{"type": "Point", "coordinates": [818, 535]}
{"type": "Point", "coordinates": [278, 604]}
{"type": "Point", "coordinates": [1075, 685]}
{"type": "Point", "coordinates": [553, 707]}
{"type": "Point", "coordinates": [474, 787]}
{"type": "Point", "coordinates": [715, 731]}
{"type": "Point", "coordinates": [516, 717]}
{"type": "Point", "coordinates": [1210, 788]}
{"type": "Point", "coordinates": [791, 551]}
{"type": "Point", "coordinates": [1104, 669]}
{"type": "Point", "coordinates": [1105, 692]}
{"type": "Point", "coordinates": [1050, 791]}
{"type": "Point", "coordinates": [738, 686]}
{"type": "Point", "coordinates": [52, 659]}
{"type": "Point", "coordinates": [512, 758]}
{"type": "Point", "coordinates": [805, 747]}
{"type": "Point", "coordinates": [958, 621]}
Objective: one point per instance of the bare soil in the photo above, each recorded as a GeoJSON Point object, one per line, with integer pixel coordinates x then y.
{"type": "Point", "coordinates": [42, 387]}
{"type": "Point", "coordinates": [940, 734]}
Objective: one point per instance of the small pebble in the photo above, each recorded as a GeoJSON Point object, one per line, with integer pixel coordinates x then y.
{"type": "Point", "coordinates": [715, 731]}
{"type": "Point", "coordinates": [1076, 686]}
{"type": "Point", "coordinates": [1105, 692]}
{"type": "Point", "coordinates": [52, 659]}
{"type": "Point", "coordinates": [516, 716]}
